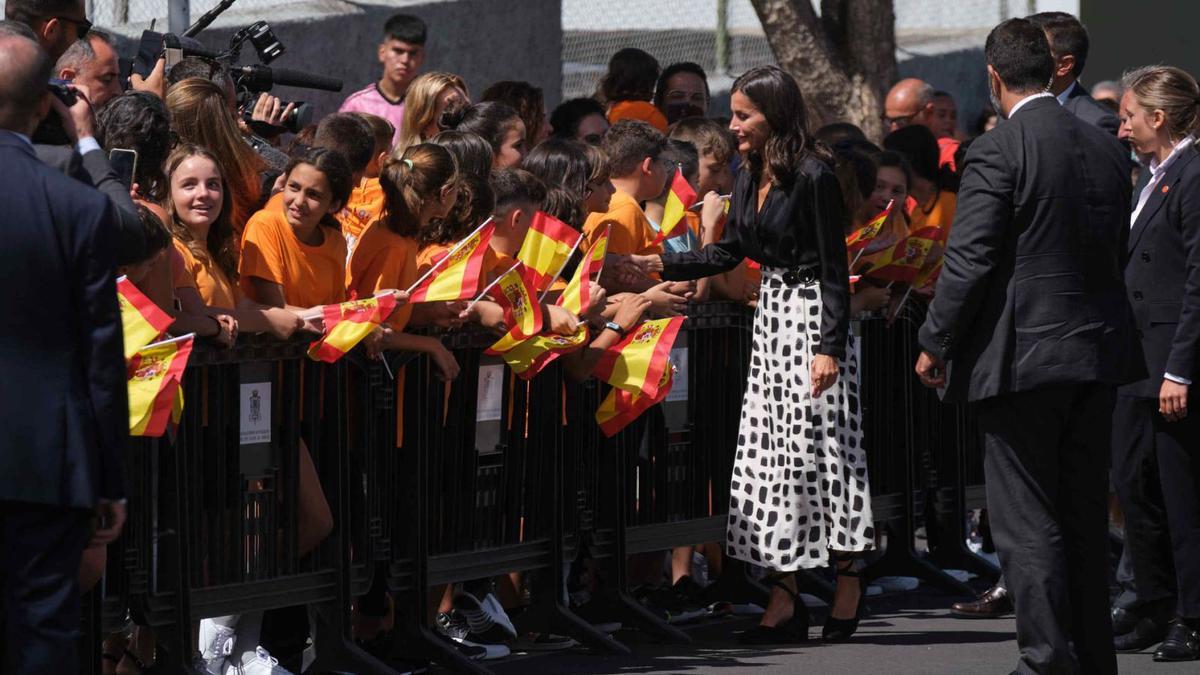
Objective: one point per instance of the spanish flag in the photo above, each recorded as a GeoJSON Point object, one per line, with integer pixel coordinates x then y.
{"type": "Point", "coordinates": [155, 373]}
{"type": "Point", "coordinates": [456, 276]}
{"type": "Point", "coordinates": [546, 248]}
{"type": "Point", "coordinates": [929, 273]}
{"type": "Point", "coordinates": [904, 260]}
{"type": "Point", "coordinates": [348, 323]}
{"type": "Point", "coordinates": [528, 357]}
{"type": "Point", "coordinates": [522, 311]}
{"type": "Point", "coordinates": [636, 363]}
{"type": "Point", "coordinates": [576, 297]}
{"type": "Point", "coordinates": [141, 319]}
{"type": "Point", "coordinates": [621, 407]}
{"type": "Point", "coordinates": [858, 239]}
{"type": "Point", "coordinates": [679, 199]}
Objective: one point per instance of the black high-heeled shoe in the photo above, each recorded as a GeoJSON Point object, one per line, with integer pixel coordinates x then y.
{"type": "Point", "coordinates": [840, 630]}
{"type": "Point", "coordinates": [792, 631]}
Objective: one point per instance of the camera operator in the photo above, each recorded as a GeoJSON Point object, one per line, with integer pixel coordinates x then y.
{"type": "Point", "coordinates": [92, 62]}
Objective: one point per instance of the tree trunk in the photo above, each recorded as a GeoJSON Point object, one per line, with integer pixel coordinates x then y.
{"type": "Point", "coordinates": [844, 59]}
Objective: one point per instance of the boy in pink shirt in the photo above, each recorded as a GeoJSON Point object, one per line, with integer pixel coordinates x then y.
{"type": "Point", "coordinates": [401, 54]}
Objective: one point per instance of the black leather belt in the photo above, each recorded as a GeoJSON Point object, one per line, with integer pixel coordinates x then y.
{"type": "Point", "coordinates": [800, 275]}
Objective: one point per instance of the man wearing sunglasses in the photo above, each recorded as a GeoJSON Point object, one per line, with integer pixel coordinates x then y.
{"type": "Point", "coordinates": [57, 23]}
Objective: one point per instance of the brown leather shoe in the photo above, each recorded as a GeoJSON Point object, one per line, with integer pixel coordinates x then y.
{"type": "Point", "coordinates": [993, 604]}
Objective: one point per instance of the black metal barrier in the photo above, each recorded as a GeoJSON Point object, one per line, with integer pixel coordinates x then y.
{"type": "Point", "coordinates": [430, 483]}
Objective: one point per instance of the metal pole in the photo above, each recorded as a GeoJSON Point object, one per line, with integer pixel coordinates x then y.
{"type": "Point", "coordinates": [722, 37]}
{"type": "Point", "coordinates": [1003, 10]}
{"type": "Point", "coordinates": [179, 16]}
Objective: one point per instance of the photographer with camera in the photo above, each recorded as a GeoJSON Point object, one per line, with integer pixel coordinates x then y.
{"type": "Point", "coordinates": [92, 62]}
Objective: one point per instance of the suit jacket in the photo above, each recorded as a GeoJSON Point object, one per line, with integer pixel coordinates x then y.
{"type": "Point", "coordinates": [91, 169]}
{"type": "Point", "coordinates": [1031, 293]}
{"type": "Point", "coordinates": [1162, 275]}
{"type": "Point", "coordinates": [61, 355]}
{"type": "Point", "coordinates": [1082, 105]}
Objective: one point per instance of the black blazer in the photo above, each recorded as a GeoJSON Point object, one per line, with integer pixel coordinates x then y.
{"type": "Point", "coordinates": [63, 386]}
{"type": "Point", "coordinates": [1031, 293]}
{"type": "Point", "coordinates": [1163, 276]}
{"type": "Point", "coordinates": [1082, 105]}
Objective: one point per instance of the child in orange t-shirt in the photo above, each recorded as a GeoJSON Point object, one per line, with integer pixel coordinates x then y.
{"type": "Point", "coordinates": [294, 255]}
{"type": "Point", "coordinates": [365, 205]}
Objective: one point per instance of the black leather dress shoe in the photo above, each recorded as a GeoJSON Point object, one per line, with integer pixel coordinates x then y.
{"type": "Point", "coordinates": [1145, 634]}
{"type": "Point", "coordinates": [1182, 644]}
{"type": "Point", "coordinates": [1124, 620]}
{"type": "Point", "coordinates": [993, 604]}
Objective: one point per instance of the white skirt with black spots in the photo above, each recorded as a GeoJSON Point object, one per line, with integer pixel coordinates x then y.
{"type": "Point", "coordinates": [799, 487]}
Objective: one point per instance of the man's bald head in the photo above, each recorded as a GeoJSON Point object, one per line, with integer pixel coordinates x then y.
{"type": "Point", "coordinates": [910, 101]}
{"type": "Point", "coordinates": [24, 71]}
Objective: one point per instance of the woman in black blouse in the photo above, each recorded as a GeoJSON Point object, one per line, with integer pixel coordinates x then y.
{"type": "Point", "coordinates": [799, 489]}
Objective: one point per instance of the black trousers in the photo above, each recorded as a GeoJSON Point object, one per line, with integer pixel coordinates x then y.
{"type": "Point", "coordinates": [1135, 475]}
{"type": "Point", "coordinates": [39, 587]}
{"type": "Point", "coordinates": [1046, 466]}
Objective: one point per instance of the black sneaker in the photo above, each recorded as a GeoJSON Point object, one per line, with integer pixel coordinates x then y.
{"type": "Point", "coordinates": [481, 627]}
{"type": "Point", "coordinates": [455, 627]}
{"type": "Point", "coordinates": [543, 642]}
{"type": "Point", "coordinates": [472, 652]}
{"type": "Point", "coordinates": [669, 604]}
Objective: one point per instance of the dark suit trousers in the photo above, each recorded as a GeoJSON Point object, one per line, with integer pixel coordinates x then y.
{"type": "Point", "coordinates": [1178, 448]}
{"type": "Point", "coordinates": [1046, 466]}
{"type": "Point", "coordinates": [39, 585]}
{"type": "Point", "coordinates": [1136, 478]}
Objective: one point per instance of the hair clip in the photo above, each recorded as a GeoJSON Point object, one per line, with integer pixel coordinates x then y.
{"type": "Point", "coordinates": [408, 163]}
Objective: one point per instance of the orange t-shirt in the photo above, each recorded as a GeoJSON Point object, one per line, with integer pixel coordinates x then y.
{"type": "Point", "coordinates": [214, 286]}
{"type": "Point", "coordinates": [941, 214]}
{"type": "Point", "coordinates": [180, 277]}
{"type": "Point", "coordinates": [310, 275]}
{"type": "Point", "coordinates": [631, 233]}
{"type": "Point", "coordinates": [364, 207]}
{"type": "Point", "coordinates": [638, 110]}
{"type": "Point", "coordinates": [496, 263]}
{"type": "Point", "coordinates": [383, 259]}
{"type": "Point", "coordinates": [429, 255]}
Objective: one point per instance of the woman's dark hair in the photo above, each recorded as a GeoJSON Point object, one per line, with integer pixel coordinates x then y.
{"type": "Point", "coordinates": [526, 99]}
{"type": "Point", "coordinates": [474, 204]}
{"type": "Point", "coordinates": [565, 206]}
{"type": "Point", "coordinates": [566, 117]}
{"type": "Point", "coordinates": [660, 87]}
{"type": "Point", "coordinates": [472, 153]}
{"type": "Point", "coordinates": [139, 121]}
{"type": "Point", "coordinates": [778, 97]}
{"type": "Point", "coordinates": [490, 120]}
{"type": "Point", "coordinates": [632, 74]}
{"type": "Point", "coordinates": [560, 162]}
{"type": "Point", "coordinates": [411, 181]}
{"type": "Point", "coordinates": [856, 174]}
{"type": "Point", "coordinates": [136, 245]}
{"type": "Point", "coordinates": [919, 146]}
{"type": "Point", "coordinates": [337, 174]}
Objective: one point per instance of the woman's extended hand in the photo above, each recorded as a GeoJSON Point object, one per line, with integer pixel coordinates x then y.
{"type": "Point", "coordinates": [823, 371]}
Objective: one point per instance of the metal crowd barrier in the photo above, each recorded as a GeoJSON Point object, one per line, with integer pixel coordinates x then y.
{"type": "Point", "coordinates": [431, 483]}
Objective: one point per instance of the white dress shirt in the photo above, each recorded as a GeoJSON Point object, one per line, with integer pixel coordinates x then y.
{"type": "Point", "coordinates": [1157, 171]}
{"type": "Point", "coordinates": [1020, 104]}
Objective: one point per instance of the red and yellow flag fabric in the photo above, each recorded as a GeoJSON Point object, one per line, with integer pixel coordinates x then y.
{"type": "Point", "coordinates": [621, 407]}
{"type": "Point", "coordinates": [858, 239]}
{"type": "Point", "coordinates": [576, 297]}
{"type": "Point", "coordinates": [347, 324]}
{"type": "Point", "coordinates": [457, 275]}
{"type": "Point", "coordinates": [546, 248]}
{"type": "Point", "coordinates": [141, 320]}
{"type": "Point", "coordinates": [155, 373]}
{"type": "Point", "coordinates": [637, 362]}
{"type": "Point", "coordinates": [522, 311]}
{"type": "Point", "coordinates": [529, 357]}
{"type": "Point", "coordinates": [679, 199]}
{"type": "Point", "coordinates": [905, 260]}
{"type": "Point", "coordinates": [929, 273]}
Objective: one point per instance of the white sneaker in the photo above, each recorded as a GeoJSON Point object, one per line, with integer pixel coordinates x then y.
{"type": "Point", "coordinates": [262, 663]}
{"type": "Point", "coordinates": [216, 644]}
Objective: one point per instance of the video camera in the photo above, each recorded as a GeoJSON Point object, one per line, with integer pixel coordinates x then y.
{"type": "Point", "coordinates": [249, 80]}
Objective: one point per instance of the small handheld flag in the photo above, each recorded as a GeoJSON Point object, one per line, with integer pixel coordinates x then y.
{"type": "Point", "coordinates": [576, 297]}
{"type": "Point", "coordinates": [548, 244]}
{"type": "Point", "coordinates": [904, 261]}
{"type": "Point", "coordinates": [522, 311]}
{"type": "Point", "coordinates": [456, 276]}
{"type": "Point", "coordinates": [348, 323]}
{"type": "Point", "coordinates": [857, 240]}
{"type": "Point", "coordinates": [141, 320]}
{"type": "Point", "coordinates": [529, 357]}
{"type": "Point", "coordinates": [679, 199]}
{"type": "Point", "coordinates": [636, 363]}
{"type": "Point", "coordinates": [621, 407]}
{"type": "Point", "coordinates": [155, 373]}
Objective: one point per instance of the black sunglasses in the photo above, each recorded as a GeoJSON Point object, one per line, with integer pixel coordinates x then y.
{"type": "Point", "coordinates": [82, 26]}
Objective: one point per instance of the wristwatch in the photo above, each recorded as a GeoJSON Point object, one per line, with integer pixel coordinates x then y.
{"type": "Point", "coordinates": [615, 327]}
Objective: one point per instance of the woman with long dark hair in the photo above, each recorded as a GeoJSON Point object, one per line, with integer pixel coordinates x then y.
{"type": "Point", "coordinates": [799, 490]}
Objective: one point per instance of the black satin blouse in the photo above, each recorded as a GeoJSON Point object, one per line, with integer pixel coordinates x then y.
{"type": "Point", "coordinates": [802, 226]}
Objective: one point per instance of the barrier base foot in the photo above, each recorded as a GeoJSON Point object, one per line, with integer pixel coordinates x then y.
{"type": "Point", "coordinates": [632, 612]}
{"type": "Point", "coordinates": [556, 618]}
{"type": "Point", "coordinates": [334, 652]}
{"type": "Point", "coordinates": [902, 560]}
{"type": "Point", "coordinates": [962, 558]}
{"type": "Point", "coordinates": [430, 645]}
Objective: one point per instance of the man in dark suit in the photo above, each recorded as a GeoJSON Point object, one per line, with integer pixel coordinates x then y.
{"type": "Point", "coordinates": [1031, 320]}
{"type": "Point", "coordinates": [64, 380]}
{"type": "Point", "coordinates": [1069, 45]}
